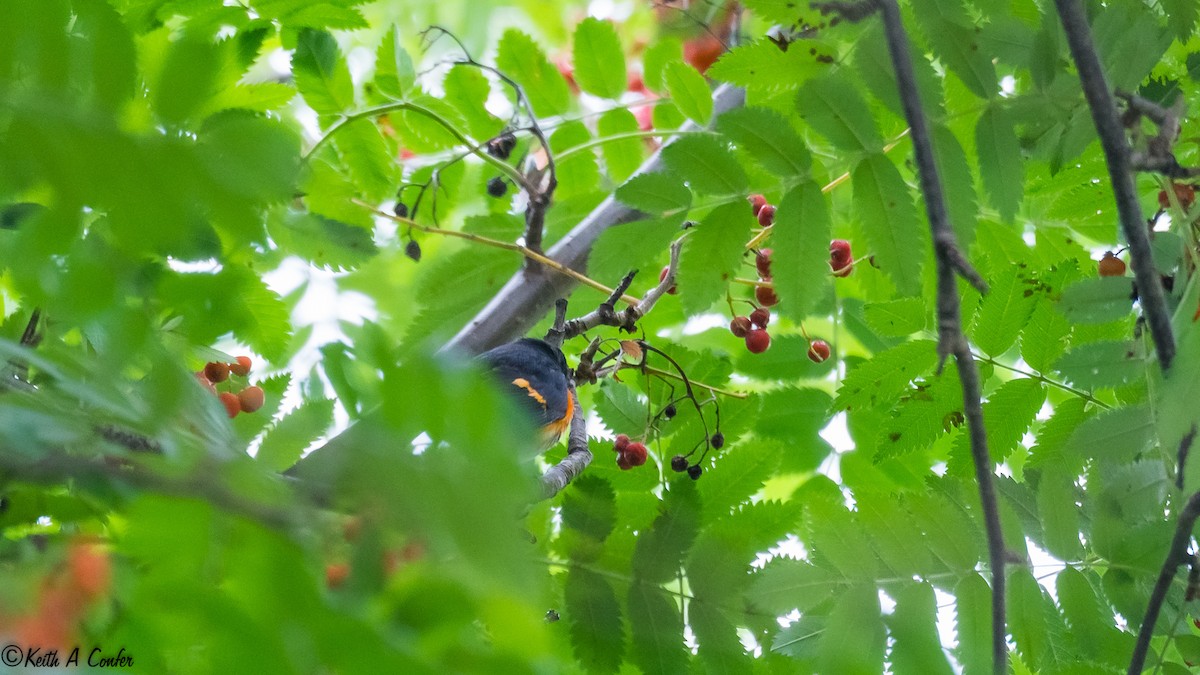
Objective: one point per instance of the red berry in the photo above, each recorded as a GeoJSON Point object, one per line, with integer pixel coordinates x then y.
{"type": "Point", "coordinates": [336, 574]}
{"type": "Point", "coordinates": [623, 461]}
{"type": "Point", "coordinates": [760, 317]}
{"type": "Point", "coordinates": [241, 366]}
{"type": "Point", "coordinates": [766, 296]}
{"type": "Point", "coordinates": [203, 380]}
{"type": "Point", "coordinates": [232, 405]}
{"type": "Point", "coordinates": [91, 570]}
{"type": "Point", "coordinates": [635, 83]}
{"type": "Point", "coordinates": [216, 372]}
{"type": "Point", "coordinates": [766, 215]}
{"type": "Point", "coordinates": [740, 326]}
{"type": "Point", "coordinates": [840, 257]}
{"type": "Point", "coordinates": [818, 351]}
{"type": "Point", "coordinates": [635, 454]}
{"type": "Point", "coordinates": [621, 443]}
{"type": "Point", "coordinates": [250, 399]}
{"type": "Point", "coordinates": [756, 203]}
{"type": "Point", "coordinates": [758, 341]}
{"type": "Point", "coordinates": [762, 260]}
{"type": "Point", "coordinates": [1111, 266]}
{"type": "Point", "coordinates": [674, 289]}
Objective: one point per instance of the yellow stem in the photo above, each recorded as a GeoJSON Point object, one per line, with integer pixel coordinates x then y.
{"type": "Point", "coordinates": [715, 390]}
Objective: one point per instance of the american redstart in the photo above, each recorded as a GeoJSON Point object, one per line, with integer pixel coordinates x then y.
{"type": "Point", "coordinates": [537, 377]}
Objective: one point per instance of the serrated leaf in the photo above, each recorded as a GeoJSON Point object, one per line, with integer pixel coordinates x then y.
{"type": "Point", "coordinates": [954, 538]}
{"type": "Point", "coordinates": [1007, 415]}
{"type": "Point", "coordinates": [897, 318]}
{"type": "Point", "coordinates": [953, 38]}
{"type": "Point", "coordinates": [973, 610]}
{"type": "Point", "coordinates": [284, 442]}
{"type": "Point", "coordinates": [878, 381]}
{"type": "Point", "coordinates": [1059, 513]}
{"type": "Point", "coordinates": [522, 59]}
{"type": "Point", "coordinates": [874, 64]}
{"type": "Point", "coordinates": [1098, 300]}
{"type": "Point", "coordinates": [899, 543]}
{"type": "Point", "coordinates": [599, 61]}
{"type": "Point", "coordinates": [884, 207]}
{"type": "Point", "coordinates": [720, 649]}
{"type": "Point", "coordinates": [467, 90]}
{"type": "Point", "coordinates": [365, 153]}
{"type": "Point", "coordinates": [1027, 616]}
{"type": "Point", "coordinates": [1000, 163]}
{"type": "Point", "coordinates": [712, 254]}
{"type": "Point", "coordinates": [689, 90]}
{"type": "Point", "coordinates": [854, 640]}
{"type": "Point", "coordinates": [802, 226]}
{"type": "Point", "coordinates": [707, 165]}
{"type": "Point", "coordinates": [921, 416]}
{"type": "Point", "coordinates": [590, 507]}
{"type": "Point", "coordinates": [622, 157]}
{"type": "Point", "coordinates": [918, 648]}
{"type": "Point", "coordinates": [1045, 336]}
{"type": "Point", "coordinates": [632, 246]}
{"type": "Point", "coordinates": [958, 184]}
{"type": "Point", "coordinates": [1102, 364]}
{"type": "Point", "coordinates": [835, 108]}
{"type": "Point", "coordinates": [620, 409]}
{"type": "Point", "coordinates": [836, 538]}
{"type": "Point", "coordinates": [1121, 434]}
{"type": "Point", "coordinates": [321, 241]}
{"type": "Point", "coordinates": [655, 626]}
{"type": "Point", "coordinates": [657, 193]}
{"type": "Point", "coordinates": [594, 617]}
{"type": "Point", "coordinates": [735, 478]}
{"type": "Point", "coordinates": [474, 274]}
{"type": "Point", "coordinates": [190, 75]}
{"type": "Point", "coordinates": [321, 73]}
{"type": "Point", "coordinates": [768, 137]}
{"type": "Point", "coordinates": [659, 551]}
{"type": "Point", "coordinates": [394, 73]}
{"type": "Point", "coordinates": [763, 66]}
{"type": "Point", "coordinates": [1051, 440]}
{"type": "Point", "coordinates": [784, 585]}
{"type": "Point", "coordinates": [1004, 310]}
{"type": "Point", "coordinates": [579, 173]}
{"type": "Point", "coordinates": [786, 12]}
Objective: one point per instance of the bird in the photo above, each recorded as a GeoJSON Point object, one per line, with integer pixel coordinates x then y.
{"type": "Point", "coordinates": [536, 375]}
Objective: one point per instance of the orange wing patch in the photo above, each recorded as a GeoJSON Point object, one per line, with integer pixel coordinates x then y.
{"type": "Point", "coordinates": [555, 429]}
{"type": "Point", "coordinates": [533, 393]}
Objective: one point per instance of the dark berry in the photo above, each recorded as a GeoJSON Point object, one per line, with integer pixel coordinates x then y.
{"type": "Point", "coordinates": [1111, 266]}
{"type": "Point", "coordinates": [400, 209]}
{"type": "Point", "coordinates": [497, 186]}
{"type": "Point", "coordinates": [502, 146]}
{"type": "Point", "coordinates": [679, 463]}
{"type": "Point", "coordinates": [766, 296]}
{"type": "Point", "coordinates": [674, 289]}
{"type": "Point", "coordinates": [251, 399]}
{"type": "Point", "coordinates": [717, 440]}
{"type": "Point", "coordinates": [232, 405]}
{"type": "Point", "coordinates": [762, 260]}
{"type": "Point", "coordinates": [766, 215]}
{"type": "Point", "coordinates": [635, 454]}
{"type": "Point", "coordinates": [760, 317]}
{"type": "Point", "coordinates": [216, 371]}
{"type": "Point", "coordinates": [413, 250]}
{"type": "Point", "coordinates": [756, 203]}
{"type": "Point", "coordinates": [623, 462]}
{"type": "Point", "coordinates": [669, 411]}
{"type": "Point", "coordinates": [740, 326]}
{"type": "Point", "coordinates": [757, 341]}
{"type": "Point", "coordinates": [694, 471]}
{"type": "Point", "coordinates": [240, 366]}
{"type": "Point", "coordinates": [818, 351]}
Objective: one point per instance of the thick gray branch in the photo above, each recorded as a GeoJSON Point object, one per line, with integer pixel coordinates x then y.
{"type": "Point", "coordinates": [578, 456]}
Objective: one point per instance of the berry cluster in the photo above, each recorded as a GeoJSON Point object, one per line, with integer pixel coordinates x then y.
{"type": "Point", "coordinates": [763, 210]}
{"type": "Point", "coordinates": [64, 598]}
{"type": "Point", "coordinates": [249, 399]}
{"type": "Point", "coordinates": [629, 454]}
{"type": "Point", "coordinates": [754, 329]}
{"type": "Point", "coordinates": [1111, 266]}
{"type": "Point", "coordinates": [1185, 193]}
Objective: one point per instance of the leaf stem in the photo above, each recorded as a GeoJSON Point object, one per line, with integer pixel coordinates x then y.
{"type": "Point", "coordinates": [1044, 380]}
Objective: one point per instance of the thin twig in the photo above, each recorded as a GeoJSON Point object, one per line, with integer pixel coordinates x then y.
{"type": "Point", "coordinates": [626, 321]}
{"type": "Point", "coordinates": [1117, 155]}
{"type": "Point", "coordinates": [950, 336]}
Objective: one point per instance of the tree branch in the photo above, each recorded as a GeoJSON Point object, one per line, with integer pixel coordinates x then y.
{"type": "Point", "coordinates": [607, 315]}
{"type": "Point", "coordinates": [578, 456]}
{"type": "Point", "coordinates": [1117, 154]}
{"type": "Point", "coordinates": [527, 296]}
{"type": "Point", "coordinates": [950, 336]}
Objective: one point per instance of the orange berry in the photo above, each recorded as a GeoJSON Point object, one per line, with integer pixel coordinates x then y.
{"type": "Point", "coordinates": [250, 399]}
{"type": "Point", "coordinates": [241, 366]}
{"type": "Point", "coordinates": [216, 371]}
{"type": "Point", "coordinates": [203, 380]}
{"type": "Point", "coordinates": [90, 569]}
{"type": "Point", "coordinates": [232, 405]}
{"type": "Point", "coordinates": [1111, 266]}
{"type": "Point", "coordinates": [336, 574]}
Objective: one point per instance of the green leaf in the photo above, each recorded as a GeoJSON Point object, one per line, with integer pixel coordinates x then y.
{"type": "Point", "coordinates": [662, 51]}
{"type": "Point", "coordinates": [735, 478]}
{"type": "Point", "coordinates": [921, 416]}
{"type": "Point", "coordinates": [599, 61]}
{"type": "Point", "coordinates": [1098, 300]}
{"type": "Point", "coordinates": [767, 137]}
{"type": "Point", "coordinates": [958, 184]}
{"type": "Point", "coordinates": [877, 381]}
{"type": "Point", "coordinates": [973, 608]}
{"type": "Point", "coordinates": [784, 585]}
{"type": "Point", "coordinates": [250, 156]}
{"type": "Point", "coordinates": [689, 90]}
{"type": "Point", "coordinates": [1045, 336]}
{"type": "Point", "coordinates": [885, 209]}
{"type": "Point", "coordinates": [321, 241]}
{"type": "Point", "coordinates": [321, 73]}
{"type": "Point", "coordinates": [802, 226]}
{"type": "Point", "coordinates": [1000, 163]}
{"type": "Point", "coordinates": [1122, 434]}
{"type": "Point", "coordinates": [632, 246]}
{"type": "Point", "coordinates": [620, 408]}
{"type": "Point", "coordinates": [1027, 609]}
{"type": "Point", "coordinates": [285, 441]}
{"type": "Point", "coordinates": [874, 64]}
{"type": "Point", "coordinates": [918, 648]}
{"type": "Point", "coordinates": [112, 57]}
{"type": "Point", "coordinates": [659, 551]}
{"type": "Point", "coordinates": [1051, 441]}
{"type": "Point", "coordinates": [594, 617]}
{"type": "Point", "coordinates": [707, 165]}
{"type": "Point", "coordinates": [365, 153]}
{"type": "Point", "coordinates": [833, 106]}
{"type": "Point", "coordinates": [794, 416]}
{"type": "Point", "coordinates": [763, 66]}
{"type": "Point", "coordinates": [836, 539]}
{"type": "Point", "coordinates": [522, 59]}
{"type": "Point", "coordinates": [394, 72]}
{"type": "Point", "coordinates": [623, 157]}
{"type": "Point", "coordinates": [897, 318]}
{"type": "Point", "coordinates": [577, 174]}
{"type": "Point", "coordinates": [467, 90]}
{"type": "Point", "coordinates": [711, 255]}
{"type": "Point", "coordinates": [654, 624]}
{"type": "Point", "coordinates": [854, 640]}
{"type": "Point", "coordinates": [720, 649]}
{"type": "Point", "coordinates": [1059, 514]}
{"type": "Point", "coordinates": [656, 193]}
{"type": "Point", "coordinates": [786, 12]}
{"type": "Point", "coordinates": [590, 507]}
{"type": "Point", "coordinates": [1007, 415]}
{"type": "Point", "coordinates": [898, 542]}
{"type": "Point", "coordinates": [1102, 364]}
{"type": "Point", "coordinates": [955, 41]}
{"type": "Point", "coordinates": [1004, 310]}
{"type": "Point", "coordinates": [189, 77]}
